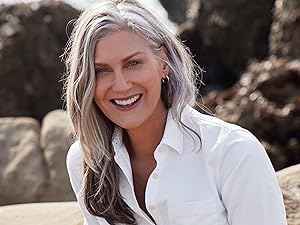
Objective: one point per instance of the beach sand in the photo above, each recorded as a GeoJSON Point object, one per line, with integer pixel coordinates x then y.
{"type": "Point", "coordinates": [52, 213]}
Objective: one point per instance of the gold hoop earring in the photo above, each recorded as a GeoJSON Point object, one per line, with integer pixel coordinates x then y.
{"type": "Point", "coordinates": [166, 79]}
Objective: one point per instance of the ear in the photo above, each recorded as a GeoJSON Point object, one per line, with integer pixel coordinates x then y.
{"type": "Point", "coordinates": [164, 62]}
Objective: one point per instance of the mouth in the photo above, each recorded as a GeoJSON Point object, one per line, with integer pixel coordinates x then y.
{"type": "Point", "coordinates": [127, 102]}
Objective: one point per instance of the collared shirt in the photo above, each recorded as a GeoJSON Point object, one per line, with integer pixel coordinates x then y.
{"type": "Point", "coordinates": [217, 175]}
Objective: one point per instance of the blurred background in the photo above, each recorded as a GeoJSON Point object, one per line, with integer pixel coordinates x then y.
{"type": "Point", "coordinates": [249, 51]}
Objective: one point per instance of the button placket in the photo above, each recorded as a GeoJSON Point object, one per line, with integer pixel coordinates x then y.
{"type": "Point", "coordinates": [152, 188]}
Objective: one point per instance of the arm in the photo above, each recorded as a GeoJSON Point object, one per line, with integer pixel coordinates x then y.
{"type": "Point", "coordinates": [249, 187]}
{"type": "Point", "coordinates": [74, 166]}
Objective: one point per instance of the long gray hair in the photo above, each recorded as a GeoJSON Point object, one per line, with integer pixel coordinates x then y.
{"type": "Point", "coordinates": [89, 125]}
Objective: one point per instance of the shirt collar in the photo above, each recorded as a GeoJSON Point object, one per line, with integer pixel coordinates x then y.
{"type": "Point", "coordinates": [179, 137]}
{"type": "Point", "coordinates": [173, 134]}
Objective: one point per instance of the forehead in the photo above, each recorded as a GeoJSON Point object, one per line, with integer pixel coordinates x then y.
{"type": "Point", "coordinates": [118, 45]}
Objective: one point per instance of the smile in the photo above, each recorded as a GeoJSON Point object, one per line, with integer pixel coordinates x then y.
{"type": "Point", "coordinates": [127, 102]}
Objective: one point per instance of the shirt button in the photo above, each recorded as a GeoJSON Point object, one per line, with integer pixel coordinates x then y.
{"type": "Point", "coordinates": [155, 176]}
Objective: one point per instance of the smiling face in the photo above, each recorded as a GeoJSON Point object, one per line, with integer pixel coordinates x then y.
{"type": "Point", "coordinates": [128, 80]}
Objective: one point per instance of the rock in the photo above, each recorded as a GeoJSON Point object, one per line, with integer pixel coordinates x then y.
{"type": "Point", "coordinates": [225, 27]}
{"type": "Point", "coordinates": [32, 162]}
{"type": "Point", "coordinates": [285, 32]}
{"type": "Point", "coordinates": [289, 180]}
{"type": "Point", "coordinates": [55, 143]}
{"type": "Point", "coordinates": [177, 9]}
{"type": "Point", "coordinates": [216, 75]}
{"type": "Point", "coordinates": [32, 37]}
{"type": "Point", "coordinates": [22, 167]}
{"type": "Point", "coordinates": [58, 213]}
{"type": "Point", "coordinates": [266, 101]}
{"type": "Point", "coordinates": [225, 34]}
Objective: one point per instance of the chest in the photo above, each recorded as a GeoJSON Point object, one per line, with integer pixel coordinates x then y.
{"type": "Point", "coordinates": [141, 172]}
{"type": "Point", "coordinates": [179, 189]}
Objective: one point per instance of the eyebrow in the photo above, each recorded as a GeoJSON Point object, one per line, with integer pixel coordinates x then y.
{"type": "Point", "coordinates": [123, 60]}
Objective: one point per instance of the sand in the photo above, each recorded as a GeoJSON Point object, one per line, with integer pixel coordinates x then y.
{"type": "Point", "coordinates": [52, 213]}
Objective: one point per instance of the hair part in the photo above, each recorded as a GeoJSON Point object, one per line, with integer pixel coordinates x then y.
{"type": "Point", "coordinates": [89, 125]}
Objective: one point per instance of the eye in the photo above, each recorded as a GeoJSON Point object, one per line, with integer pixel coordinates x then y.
{"type": "Point", "coordinates": [132, 63]}
{"type": "Point", "coordinates": [101, 70]}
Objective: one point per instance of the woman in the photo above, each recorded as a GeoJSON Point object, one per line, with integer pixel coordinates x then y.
{"type": "Point", "coordinates": [144, 155]}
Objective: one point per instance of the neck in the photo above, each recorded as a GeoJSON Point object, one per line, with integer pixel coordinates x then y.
{"type": "Point", "coordinates": [141, 142]}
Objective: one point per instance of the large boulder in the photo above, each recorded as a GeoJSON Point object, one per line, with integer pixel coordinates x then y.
{"type": "Point", "coordinates": [266, 101]}
{"type": "Point", "coordinates": [22, 166]}
{"type": "Point", "coordinates": [289, 180]}
{"type": "Point", "coordinates": [225, 34]}
{"type": "Point", "coordinates": [32, 38]}
{"type": "Point", "coordinates": [56, 213]}
{"type": "Point", "coordinates": [216, 74]}
{"type": "Point", "coordinates": [285, 32]}
{"type": "Point", "coordinates": [177, 9]}
{"type": "Point", "coordinates": [55, 143]}
{"type": "Point", "coordinates": [32, 160]}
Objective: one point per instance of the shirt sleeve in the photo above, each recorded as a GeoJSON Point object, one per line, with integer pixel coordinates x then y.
{"type": "Point", "coordinates": [249, 186]}
{"type": "Point", "coordinates": [74, 166]}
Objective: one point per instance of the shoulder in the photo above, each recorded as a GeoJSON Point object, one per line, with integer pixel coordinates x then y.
{"type": "Point", "coordinates": [220, 138]}
{"type": "Point", "coordinates": [74, 162]}
{"type": "Point", "coordinates": [74, 153]}
{"type": "Point", "coordinates": [198, 119]}
{"type": "Point", "coordinates": [210, 128]}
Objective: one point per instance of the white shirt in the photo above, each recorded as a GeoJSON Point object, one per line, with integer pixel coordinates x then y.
{"type": "Point", "coordinates": [224, 179]}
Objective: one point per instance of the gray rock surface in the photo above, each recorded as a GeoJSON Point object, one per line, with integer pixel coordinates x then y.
{"type": "Point", "coordinates": [32, 161]}
{"type": "Point", "coordinates": [22, 166]}
{"type": "Point", "coordinates": [55, 143]}
{"type": "Point", "coordinates": [289, 180]}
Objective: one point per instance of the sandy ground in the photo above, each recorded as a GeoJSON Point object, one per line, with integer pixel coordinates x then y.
{"type": "Point", "coordinates": [54, 213]}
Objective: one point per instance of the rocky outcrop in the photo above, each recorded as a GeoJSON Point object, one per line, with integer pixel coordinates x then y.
{"type": "Point", "coordinates": [289, 180]}
{"type": "Point", "coordinates": [32, 38]}
{"type": "Point", "coordinates": [225, 34]}
{"type": "Point", "coordinates": [177, 9]}
{"type": "Point", "coordinates": [266, 101]}
{"type": "Point", "coordinates": [58, 213]}
{"type": "Point", "coordinates": [22, 166]}
{"type": "Point", "coordinates": [32, 162]}
{"type": "Point", "coordinates": [55, 142]}
{"type": "Point", "coordinates": [285, 32]}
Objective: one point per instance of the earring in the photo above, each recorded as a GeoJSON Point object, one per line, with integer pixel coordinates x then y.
{"type": "Point", "coordinates": [166, 79]}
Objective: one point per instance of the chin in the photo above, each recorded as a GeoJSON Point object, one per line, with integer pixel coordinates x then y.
{"type": "Point", "coordinates": [128, 126]}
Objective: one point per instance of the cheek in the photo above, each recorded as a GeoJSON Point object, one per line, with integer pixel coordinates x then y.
{"type": "Point", "coordinates": [153, 77]}
{"type": "Point", "coordinates": [100, 92]}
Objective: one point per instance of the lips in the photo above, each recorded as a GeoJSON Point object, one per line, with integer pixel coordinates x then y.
{"type": "Point", "coordinates": [126, 102]}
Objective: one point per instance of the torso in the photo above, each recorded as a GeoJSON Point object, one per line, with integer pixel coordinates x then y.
{"type": "Point", "coordinates": [141, 171]}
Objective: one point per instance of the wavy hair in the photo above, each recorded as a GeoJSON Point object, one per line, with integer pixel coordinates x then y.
{"type": "Point", "coordinates": [89, 125]}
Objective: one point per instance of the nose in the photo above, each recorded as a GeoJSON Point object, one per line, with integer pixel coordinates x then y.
{"type": "Point", "coordinates": [121, 83]}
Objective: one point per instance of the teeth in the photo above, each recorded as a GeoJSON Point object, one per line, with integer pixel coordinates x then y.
{"type": "Point", "coordinates": [128, 101]}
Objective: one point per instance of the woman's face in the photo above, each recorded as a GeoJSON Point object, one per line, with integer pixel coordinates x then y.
{"type": "Point", "coordinates": [128, 80]}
